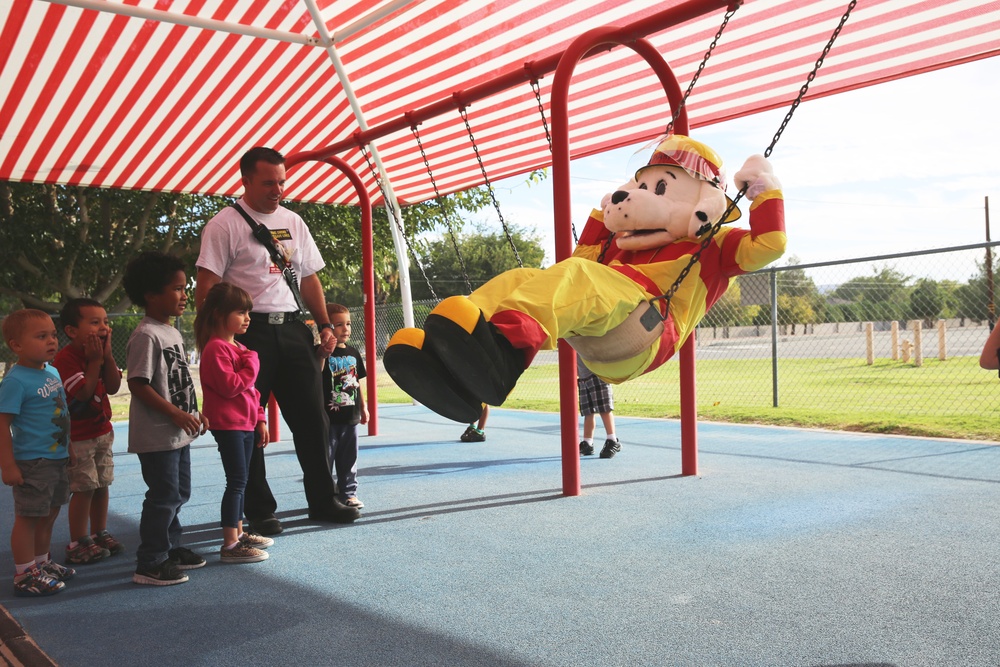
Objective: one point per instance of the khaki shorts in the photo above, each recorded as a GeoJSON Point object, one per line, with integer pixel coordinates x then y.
{"type": "Point", "coordinates": [95, 465]}
{"type": "Point", "coordinates": [45, 487]}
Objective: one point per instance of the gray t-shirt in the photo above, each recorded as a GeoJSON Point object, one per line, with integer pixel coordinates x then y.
{"type": "Point", "coordinates": [155, 352]}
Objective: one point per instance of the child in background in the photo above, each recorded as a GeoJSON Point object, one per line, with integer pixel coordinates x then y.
{"type": "Point", "coordinates": [89, 374]}
{"type": "Point", "coordinates": [232, 406]}
{"type": "Point", "coordinates": [34, 448]}
{"type": "Point", "coordinates": [477, 433]}
{"type": "Point", "coordinates": [345, 405]}
{"type": "Point", "coordinates": [163, 416]}
{"type": "Point", "coordinates": [596, 397]}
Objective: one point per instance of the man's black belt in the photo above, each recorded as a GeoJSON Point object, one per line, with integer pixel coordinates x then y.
{"type": "Point", "coordinates": [276, 318]}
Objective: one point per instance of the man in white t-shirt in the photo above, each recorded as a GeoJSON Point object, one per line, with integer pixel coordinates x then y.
{"type": "Point", "coordinates": [289, 363]}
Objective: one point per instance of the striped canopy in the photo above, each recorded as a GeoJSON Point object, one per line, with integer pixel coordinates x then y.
{"type": "Point", "coordinates": [167, 94]}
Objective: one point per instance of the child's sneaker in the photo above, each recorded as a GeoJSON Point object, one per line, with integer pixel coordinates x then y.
{"type": "Point", "coordinates": [85, 552]}
{"type": "Point", "coordinates": [242, 553]}
{"type": "Point", "coordinates": [185, 559]}
{"type": "Point", "coordinates": [35, 583]}
{"type": "Point", "coordinates": [106, 540]}
{"type": "Point", "coordinates": [473, 434]}
{"type": "Point", "coordinates": [57, 571]}
{"type": "Point", "coordinates": [354, 502]}
{"type": "Point", "coordinates": [165, 574]}
{"type": "Point", "coordinates": [586, 449]}
{"type": "Point", "coordinates": [256, 541]}
{"type": "Point", "coordinates": [611, 447]}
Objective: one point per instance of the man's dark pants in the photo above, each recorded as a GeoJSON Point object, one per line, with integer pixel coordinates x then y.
{"type": "Point", "coordinates": [290, 368]}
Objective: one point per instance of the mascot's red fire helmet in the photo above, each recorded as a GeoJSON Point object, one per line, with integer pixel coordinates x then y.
{"type": "Point", "coordinates": [696, 159]}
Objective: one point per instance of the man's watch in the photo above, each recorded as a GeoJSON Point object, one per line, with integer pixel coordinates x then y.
{"type": "Point", "coordinates": [327, 325]}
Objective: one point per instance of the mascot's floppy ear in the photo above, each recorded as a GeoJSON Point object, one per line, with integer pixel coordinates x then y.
{"type": "Point", "coordinates": [710, 208]}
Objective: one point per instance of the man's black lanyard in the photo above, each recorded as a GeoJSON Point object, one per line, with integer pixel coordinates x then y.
{"type": "Point", "coordinates": [263, 234]}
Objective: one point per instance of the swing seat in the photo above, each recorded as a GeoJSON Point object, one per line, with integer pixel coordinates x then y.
{"type": "Point", "coordinates": [635, 334]}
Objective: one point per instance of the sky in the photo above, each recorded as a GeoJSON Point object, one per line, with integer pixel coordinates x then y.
{"type": "Point", "coordinates": [895, 167]}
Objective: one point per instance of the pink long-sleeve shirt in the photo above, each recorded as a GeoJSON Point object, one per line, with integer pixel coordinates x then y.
{"type": "Point", "coordinates": [231, 402]}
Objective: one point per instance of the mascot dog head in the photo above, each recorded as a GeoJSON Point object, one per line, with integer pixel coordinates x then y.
{"type": "Point", "coordinates": [679, 193]}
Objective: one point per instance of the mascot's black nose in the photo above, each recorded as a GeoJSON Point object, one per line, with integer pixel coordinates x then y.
{"type": "Point", "coordinates": [619, 196]}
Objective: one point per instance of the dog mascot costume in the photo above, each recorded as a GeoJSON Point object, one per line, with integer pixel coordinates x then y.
{"type": "Point", "coordinates": [473, 349]}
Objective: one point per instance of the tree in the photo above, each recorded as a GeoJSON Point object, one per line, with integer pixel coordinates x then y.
{"type": "Point", "coordinates": [878, 297]}
{"type": "Point", "coordinates": [61, 242]}
{"type": "Point", "coordinates": [926, 301]}
{"type": "Point", "coordinates": [973, 298]}
{"type": "Point", "coordinates": [485, 254]}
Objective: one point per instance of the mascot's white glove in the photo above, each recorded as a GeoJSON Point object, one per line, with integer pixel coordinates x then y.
{"type": "Point", "coordinates": [757, 175]}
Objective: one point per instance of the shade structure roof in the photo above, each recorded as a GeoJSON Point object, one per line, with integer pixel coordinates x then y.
{"type": "Point", "coordinates": [166, 95]}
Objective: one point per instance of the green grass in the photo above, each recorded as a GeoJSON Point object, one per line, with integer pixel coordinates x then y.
{"type": "Point", "coordinates": [949, 399]}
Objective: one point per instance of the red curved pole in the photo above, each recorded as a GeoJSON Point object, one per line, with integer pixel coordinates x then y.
{"type": "Point", "coordinates": [367, 284]}
{"type": "Point", "coordinates": [575, 52]}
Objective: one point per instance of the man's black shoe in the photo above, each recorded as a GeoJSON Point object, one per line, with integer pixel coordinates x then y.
{"type": "Point", "coordinates": [338, 512]}
{"type": "Point", "coordinates": [267, 526]}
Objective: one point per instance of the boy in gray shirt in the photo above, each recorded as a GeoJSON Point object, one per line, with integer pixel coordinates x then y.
{"type": "Point", "coordinates": [163, 417]}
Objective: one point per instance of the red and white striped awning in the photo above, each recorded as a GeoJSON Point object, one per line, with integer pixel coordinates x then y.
{"type": "Point", "coordinates": [167, 94]}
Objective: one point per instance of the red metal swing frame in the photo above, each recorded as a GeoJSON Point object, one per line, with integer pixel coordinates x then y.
{"type": "Point", "coordinates": [564, 64]}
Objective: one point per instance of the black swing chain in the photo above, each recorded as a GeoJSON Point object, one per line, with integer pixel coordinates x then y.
{"type": "Point", "coordinates": [489, 186]}
{"type": "Point", "coordinates": [444, 212]}
{"type": "Point", "coordinates": [536, 89]}
{"type": "Point", "coordinates": [395, 219]}
{"type": "Point", "coordinates": [812, 75]}
{"type": "Point", "coordinates": [739, 195]}
{"type": "Point", "coordinates": [701, 66]}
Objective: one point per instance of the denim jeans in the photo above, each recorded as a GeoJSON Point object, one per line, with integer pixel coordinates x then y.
{"type": "Point", "coordinates": [168, 486]}
{"type": "Point", "coordinates": [344, 458]}
{"type": "Point", "coordinates": [235, 448]}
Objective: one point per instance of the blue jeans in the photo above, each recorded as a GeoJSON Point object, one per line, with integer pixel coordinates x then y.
{"type": "Point", "coordinates": [344, 458]}
{"type": "Point", "coordinates": [168, 486]}
{"type": "Point", "coordinates": [235, 447]}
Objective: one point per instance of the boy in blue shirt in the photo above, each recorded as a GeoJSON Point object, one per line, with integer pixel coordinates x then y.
{"type": "Point", "coordinates": [34, 450]}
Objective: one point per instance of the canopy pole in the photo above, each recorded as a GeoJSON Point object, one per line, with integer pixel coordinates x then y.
{"type": "Point", "coordinates": [163, 16]}
{"type": "Point", "coordinates": [392, 203]}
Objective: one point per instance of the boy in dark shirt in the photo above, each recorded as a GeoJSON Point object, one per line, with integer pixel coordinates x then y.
{"type": "Point", "coordinates": [345, 405]}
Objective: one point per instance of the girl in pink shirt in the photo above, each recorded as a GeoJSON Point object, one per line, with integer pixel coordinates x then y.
{"type": "Point", "coordinates": [233, 408]}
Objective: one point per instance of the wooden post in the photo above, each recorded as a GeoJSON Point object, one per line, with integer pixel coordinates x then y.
{"type": "Point", "coordinates": [918, 348]}
{"type": "Point", "coordinates": [907, 346]}
{"type": "Point", "coordinates": [942, 340]}
{"type": "Point", "coordinates": [869, 343]}
{"type": "Point", "coordinates": [895, 340]}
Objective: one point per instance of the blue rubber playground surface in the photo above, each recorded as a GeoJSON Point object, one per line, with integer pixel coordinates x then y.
{"type": "Point", "coordinates": [790, 547]}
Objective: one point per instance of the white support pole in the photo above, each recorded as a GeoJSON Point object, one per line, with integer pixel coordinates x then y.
{"type": "Point", "coordinates": [392, 204]}
{"type": "Point", "coordinates": [163, 16]}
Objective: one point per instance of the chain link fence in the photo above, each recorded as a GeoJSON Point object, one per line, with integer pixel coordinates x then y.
{"type": "Point", "coordinates": [884, 344]}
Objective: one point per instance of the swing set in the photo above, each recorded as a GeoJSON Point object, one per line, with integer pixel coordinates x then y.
{"type": "Point", "coordinates": [646, 323]}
